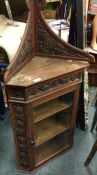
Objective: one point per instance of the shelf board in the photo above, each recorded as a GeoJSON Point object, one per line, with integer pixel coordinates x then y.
{"type": "Point", "coordinates": [39, 161]}
{"type": "Point", "coordinates": [50, 128]}
{"type": "Point", "coordinates": [43, 111]}
{"type": "Point", "coordinates": [51, 148]}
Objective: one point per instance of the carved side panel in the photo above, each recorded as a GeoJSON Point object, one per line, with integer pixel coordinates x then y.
{"type": "Point", "coordinates": [21, 136]}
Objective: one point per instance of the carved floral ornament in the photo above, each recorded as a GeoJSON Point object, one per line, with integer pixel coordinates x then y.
{"type": "Point", "coordinates": [52, 85]}
{"type": "Point", "coordinates": [32, 92]}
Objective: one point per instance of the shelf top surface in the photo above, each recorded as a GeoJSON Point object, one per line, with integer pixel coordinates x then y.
{"type": "Point", "coordinates": [40, 69]}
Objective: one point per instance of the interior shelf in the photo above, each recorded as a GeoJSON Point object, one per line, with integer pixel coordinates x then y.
{"type": "Point", "coordinates": [51, 148]}
{"type": "Point", "coordinates": [51, 107]}
{"type": "Point", "coordinates": [51, 127]}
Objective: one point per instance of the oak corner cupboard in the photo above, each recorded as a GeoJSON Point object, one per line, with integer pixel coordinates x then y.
{"type": "Point", "coordinates": [42, 85]}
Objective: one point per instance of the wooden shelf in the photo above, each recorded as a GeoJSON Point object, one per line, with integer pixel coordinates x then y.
{"type": "Point", "coordinates": [51, 107]}
{"type": "Point", "coordinates": [51, 148]}
{"type": "Point", "coordinates": [51, 127]}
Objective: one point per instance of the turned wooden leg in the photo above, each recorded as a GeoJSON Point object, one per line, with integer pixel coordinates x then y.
{"type": "Point", "coordinates": [94, 121]}
{"type": "Point", "coordinates": [91, 154]}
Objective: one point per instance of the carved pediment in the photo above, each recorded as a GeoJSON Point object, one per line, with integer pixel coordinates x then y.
{"type": "Point", "coordinates": [40, 40]}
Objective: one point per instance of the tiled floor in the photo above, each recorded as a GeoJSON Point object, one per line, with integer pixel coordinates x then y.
{"type": "Point", "coordinates": [70, 163]}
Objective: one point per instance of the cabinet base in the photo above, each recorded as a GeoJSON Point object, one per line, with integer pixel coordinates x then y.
{"type": "Point", "coordinates": [46, 162]}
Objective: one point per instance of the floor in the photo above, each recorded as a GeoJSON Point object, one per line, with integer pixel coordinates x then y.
{"type": "Point", "coordinates": [70, 163]}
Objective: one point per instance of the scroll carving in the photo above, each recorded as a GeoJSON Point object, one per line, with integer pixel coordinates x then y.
{"type": "Point", "coordinates": [32, 92]}
{"type": "Point", "coordinates": [52, 85]}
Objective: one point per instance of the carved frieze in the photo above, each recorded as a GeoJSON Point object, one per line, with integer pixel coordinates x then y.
{"type": "Point", "coordinates": [52, 85]}
{"type": "Point", "coordinates": [37, 90]}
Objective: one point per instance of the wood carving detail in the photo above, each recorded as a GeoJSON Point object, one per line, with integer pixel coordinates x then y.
{"type": "Point", "coordinates": [26, 51]}
{"type": "Point", "coordinates": [21, 136]}
{"type": "Point", "coordinates": [47, 44]}
{"type": "Point", "coordinates": [52, 85]}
